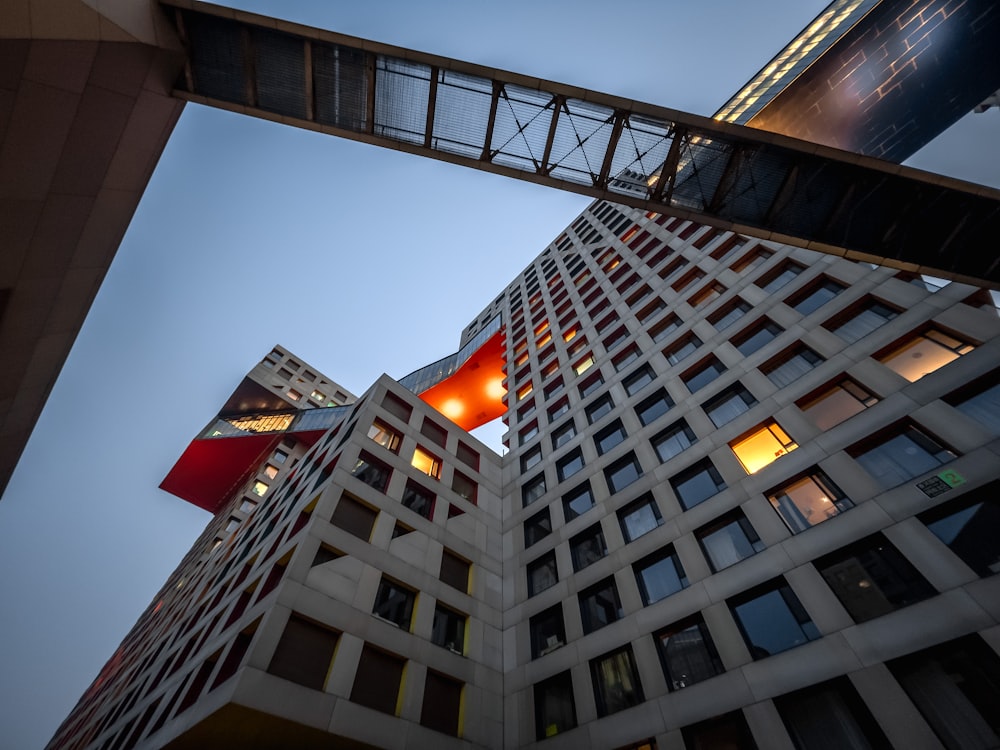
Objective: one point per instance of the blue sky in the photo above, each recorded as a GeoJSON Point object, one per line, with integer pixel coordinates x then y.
{"type": "Point", "coordinates": [359, 260]}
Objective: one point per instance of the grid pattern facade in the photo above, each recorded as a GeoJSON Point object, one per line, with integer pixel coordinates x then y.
{"type": "Point", "coordinates": [749, 496]}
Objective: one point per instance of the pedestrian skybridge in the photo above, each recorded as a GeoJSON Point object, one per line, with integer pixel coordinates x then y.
{"type": "Point", "coordinates": [642, 155]}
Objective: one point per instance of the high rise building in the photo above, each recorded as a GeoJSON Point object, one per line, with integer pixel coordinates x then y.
{"type": "Point", "coordinates": [749, 500]}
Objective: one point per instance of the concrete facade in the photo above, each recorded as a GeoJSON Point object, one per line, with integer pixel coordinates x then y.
{"type": "Point", "coordinates": [632, 573]}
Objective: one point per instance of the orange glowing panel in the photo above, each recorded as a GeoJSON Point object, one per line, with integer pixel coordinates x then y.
{"type": "Point", "coordinates": [474, 395]}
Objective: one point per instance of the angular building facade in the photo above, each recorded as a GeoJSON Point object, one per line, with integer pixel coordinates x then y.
{"type": "Point", "coordinates": [749, 500]}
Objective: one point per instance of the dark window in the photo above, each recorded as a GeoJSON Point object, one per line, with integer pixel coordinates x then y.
{"type": "Point", "coordinates": [664, 328]}
{"type": "Point", "coordinates": [726, 316]}
{"type": "Point", "coordinates": [639, 517]}
{"type": "Point", "coordinates": [682, 349]}
{"type": "Point", "coordinates": [983, 406]}
{"type": "Point", "coordinates": [757, 337]}
{"type": "Point", "coordinates": [626, 358]}
{"type": "Point", "coordinates": [654, 407]}
{"type": "Point", "coordinates": [728, 540]}
{"type": "Point", "coordinates": [553, 388]}
{"type": "Point", "coordinates": [672, 441]}
{"type": "Point", "coordinates": [791, 365]}
{"type": "Point", "coordinates": [448, 630]}
{"type": "Point", "coordinates": [569, 465]}
{"type": "Point", "coordinates": [537, 528]}
{"type": "Point", "coordinates": [376, 683]}
{"type": "Point", "coordinates": [774, 280]}
{"type": "Point", "coordinates": [872, 578]}
{"type": "Point", "coordinates": [970, 526]}
{"type": "Point", "coordinates": [558, 409]}
{"type": "Point", "coordinates": [371, 471]}
{"type": "Point", "coordinates": [442, 703]}
{"type": "Point", "coordinates": [623, 472]}
{"type": "Point", "coordinates": [394, 603]}
{"type": "Point", "coordinates": [397, 407]}
{"type": "Point", "coordinates": [527, 433]}
{"type": "Point", "coordinates": [599, 605]}
{"type": "Point", "coordinates": [548, 631]}
{"type": "Point", "coordinates": [563, 434]}
{"type": "Point", "coordinates": [727, 732]}
{"type": "Point", "coordinates": [832, 404]}
{"type": "Point", "coordinates": [532, 490]}
{"type": "Point", "coordinates": [900, 455]}
{"type": "Point", "coordinates": [464, 487]}
{"type": "Point", "coordinates": [659, 575]}
{"type": "Point", "coordinates": [467, 455]}
{"type": "Point", "coordinates": [830, 714]}
{"type": "Point", "coordinates": [687, 653]}
{"type": "Point", "coordinates": [531, 459]}
{"type": "Point", "coordinates": [418, 499]}
{"type": "Point", "coordinates": [772, 619]}
{"type": "Point", "coordinates": [434, 432]}
{"type": "Point", "coordinates": [587, 547]}
{"type": "Point", "coordinates": [956, 686]}
{"type": "Point", "coordinates": [702, 374]}
{"type": "Point", "coordinates": [455, 571]}
{"type": "Point", "coordinates": [578, 501]}
{"type": "Point", "coordinates": [304, 653]}
{"type": "Point", "coordinates": [555, 710]}
{"type": "Point", "coordinates": [729, 404]}
{"type": "Point", "coordinates": [697, 483]}
{"type": "Point", "coordinates": [599, 408]}
{"type": "Point", "coordinates": [816, 296]}
{"type": "Point", "coordinates": [860, 320]}
{"type": "Point", "coordinates": [354, 517]}
{"type": "Point", "coordinates": [808, 500]}
{"type": "Point", "coordinates": [542, 573]}
{"type": "Point", "coordinates": [616, 681]}
{"type": "Point", "coordinates": [609, 437]}
{"type": "Point", "coordinates": [638, 379]}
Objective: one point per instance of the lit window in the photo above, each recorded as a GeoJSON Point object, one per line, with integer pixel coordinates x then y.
{"type": "Point", "coordinates": [583, 365]}
{"type": "Point", "coordinates": [639, 518]}
{"type": "Point", "coordinates": [688, 653]}
{"type": "Point", "coordinates": [925, 353]}
{"type": "Point", "coordinates": [521, 359]}
{"type": "Point", "coordinates": [384, 436]}
{"type": "Point", "coordinates": [587, 547]}
{"type": "Point", "coordinates": [548, 631]}
{"type": "Point", "coordinates": [809, 500]}
{"type": "Point", "coordinates": [900, 456]}
{"type": "Point", "coordinates": [872, 578]}
{"type": "Point", "coordinates": [541, 327]}
{"type": "Point", "coordinates": [427, 463]}
{"type": "Point", "coordinates": [697, 483]}
{"type": "Point", "coordinates": [833, 404]}
{"type": "Point", "coordinates": [394, 603]}
{"type": "Point", "coordinates": [772, 619]}
{"type": "Point", "coordinates": [571, 333]}
{"type": "Point", "coordinates": [555, 710]}
{"type": "Point", "coordinates": [294, 395]}
{"type": "Point", "coordinates": [600, 605]}
{"type": "Point", "coordinates": [543, 340]}
{"type": "Point", "coordinates": [616, 681]}
{"type": "Point", "coordinates": [270, 471]}
{"type": "Point", "coordinates": [318, 396]}
{"type": "Point", "coordinates": [762, 446]}
{"type": "Point", "coordinates": [728, 540]}
{"type": "Point", "coordinates": [259, 488]}
{"type": "Point", "coordinates": [577, 501]}
{"type": "Point", "coordinates": [448, 629]}
{"type": "Point", "coordinates": [659, 575]}
{"type": "Point", "coordinates": [673, 440]}
{"type": "Point", "coordinates": [542, 574]}
{"type": "Point", "coordinates": [970, 526]}
{"type": "Point", "coordinates": [859, 321]}
{"type": "Point", "coordinates": [729, 404]}
{"type": "Point", "coordinates": [537, 528]}
{"type": "Point", "coordinates": [524, 390]}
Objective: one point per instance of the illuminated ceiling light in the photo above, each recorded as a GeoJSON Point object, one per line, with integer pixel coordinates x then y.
{"type": "Point", "coordinates": [452, 408]}
{"type": "Point", "coordinates": [495, 389]}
